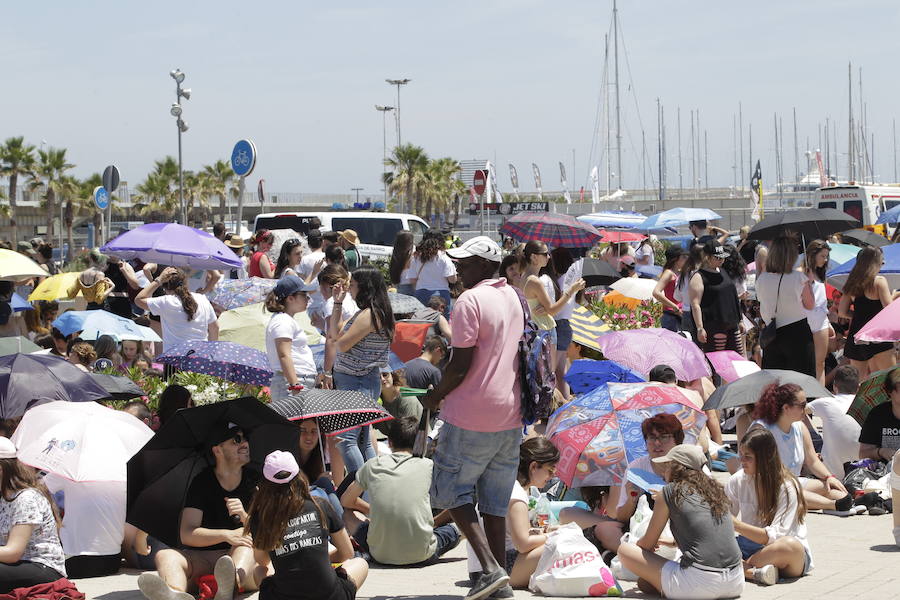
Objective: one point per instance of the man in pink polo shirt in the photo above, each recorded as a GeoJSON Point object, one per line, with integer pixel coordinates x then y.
{"type": "Point", "coordinates": [477, 452]}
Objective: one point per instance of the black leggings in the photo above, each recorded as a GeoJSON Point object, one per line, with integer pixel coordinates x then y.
{"type": "Point", "coordinates": [83, 566]}
{"type": "Point", "coordinates": [25, 574]}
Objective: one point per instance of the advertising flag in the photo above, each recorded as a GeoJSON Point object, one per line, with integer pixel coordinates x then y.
{"type": "Point", "coordinates": [537, 180]}
{"type": "Point", "coordinates": [514, 179]}
{"type": "Point", "coordinates": [565, 184]}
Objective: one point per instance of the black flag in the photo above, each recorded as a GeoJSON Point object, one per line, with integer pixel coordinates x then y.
{"type": "Point", "coordinates": [756, 181]}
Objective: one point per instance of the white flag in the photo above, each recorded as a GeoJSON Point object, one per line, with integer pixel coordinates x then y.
{"type": "Point", "coordinates": [514, 179]}
{"type": "Point", "coordinates": [537, 180]}
{"type": "Point", "coordinates": [565, 184]}
{"type": "Point", "coordinates": [492, 176]}
{"type": "Point", "coordinates": [595, 185]}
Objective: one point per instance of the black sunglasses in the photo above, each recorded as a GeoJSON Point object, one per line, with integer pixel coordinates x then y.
{"type": "Point", "coordinates": [238, 438]}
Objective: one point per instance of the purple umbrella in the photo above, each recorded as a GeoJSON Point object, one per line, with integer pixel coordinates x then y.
{"type": "Point", "coordinates": [227, 360]}
{"type": "Point", "coordinates": [643, 349]}
{"type": "Point", "coordinates": [27, 380]}
{"type": "Point", "coordinates": [175, 245]}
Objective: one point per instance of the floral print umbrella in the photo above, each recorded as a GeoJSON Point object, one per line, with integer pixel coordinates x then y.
{"type": "Point", "coordinates": [235, 293]}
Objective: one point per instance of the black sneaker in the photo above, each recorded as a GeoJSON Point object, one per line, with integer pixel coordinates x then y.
{"type": "Point", "coordinates": [505, 592]}
{"type": "Point", "coordinates": [844, 503]}
{"type": "Point", "coordinates": [487, 584]}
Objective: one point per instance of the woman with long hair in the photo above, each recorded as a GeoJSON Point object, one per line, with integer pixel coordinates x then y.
{"type": "Point", "coordinates": [290, 358]}
{"type": "Point", "coordinates": [183, 315]}
{"type": "Point", "coordinates": [130, 351]}
{"type": "Point", "coordinates": [781, 410]}
{"type": "Point", "coordinates": [30, 550]}
{"type": "Point", "coordinates": [736, 268]}
{"type": "Point", "coordinates": [786, 295]}
{"type": "Point", "coordinates": [869, 293]}
{"type": "Point", "coordinates": [401, 274]}
{"type": "Point", "coordinates": [509, 270]}
{"type": "Point", "coordinates": [312, 463]}
{"type": "Point", "coordinates": [769, 500]}
{"type": "Point", "coordinates": [260, 265]}
{"type": "Point", "coordinates": [815, 263]}
{"type": "Point", "coordinates": [715, 307]}
{"type": "Point", "coordinates": [289, 257]}
{"type": "Point", "coordinates": [360, 348]}
{"type": "Point", "coordinates": [106, 347]}
{"type": "Point", "coordinates": [664, 292]}
{"type": "Point", "coordinates": [682, 291]}
{"type": "Point", "coordinates": [561, 261]}
{"type": "Point", "coordinates": [291, 530]}
{"type": "Point", "coordinates": [697, 508]}
{"type": "Point", "coordinates": [171, 400]}
{"type": "Point", "coordinates": [432, 270]}
{"type": "Point", "coordinates": [540, 286]}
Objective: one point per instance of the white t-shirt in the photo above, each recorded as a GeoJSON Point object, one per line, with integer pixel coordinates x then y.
{"type": "Point", "coordinates": [94, 523]}
{"type": "Point", "coordinates": [818, 314]}
{"type": "Point", "coordinates": [407, 274]}
{"type": "Point", "coordinates": [308, 262]}
{"type": "Point", "coordinates": [840, 431]}
{"type": "Point", "coordinates": [434, 273]}
{"type": "Point", "coordinates": [348, 309]}
{"type": "Point", "coordinates": [790, 444]}
{"type": "Point", "coordinates": [790, 304]}
{"type": "Point", "coordinates": [518, 495]}
{"type": "Point", "coordinates": [741, 490]}
{"type": "Point", "coordinates": [644, 250]}
{"type": "Point", "coordinates": [175, 325]}
{"type": "Point", "coordinates": [282, 325]}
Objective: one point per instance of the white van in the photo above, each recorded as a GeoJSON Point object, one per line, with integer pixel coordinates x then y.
{"type": "Point", "coordinates": [376, 230]}
{"type": "Point", "coordinates": [862, 202]}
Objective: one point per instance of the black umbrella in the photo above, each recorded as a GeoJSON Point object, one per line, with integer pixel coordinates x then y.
{"type": "Point", "coordinates": [811, 223]}
{"type": "Point", "coordinates": [335, 410]}
{"type": "Point", "coordinates": [118, 387]}
{"type": "Point", "coordinates": [866, 237]}
{"type": "Point", "coordinates": [598, 272]}
{"type": "Point", "coordinates": [27, 380]}
{"type": "Point", "coordinates": [160, 474]}
{"type": "Point", "coordinates": [748, 388]}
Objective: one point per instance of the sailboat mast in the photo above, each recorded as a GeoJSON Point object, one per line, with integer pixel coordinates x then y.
{"type": "Point", "coordinates": [618, 115]}
{"type": "Point", "coordinates": [680, 172]}
{"type": "Point", "coordinates": [741, 138]}
{"type": "Point", "coordinates": [894, 132]}
{"type": "Point", "coordinates": [659, 152]}
{"type": "Point", "coordinates": [606, 110]}
{"type": "Point", "coordinates": [796, 150]}
{"type": "Point", "coordinates": [851, 176]}
{"type": "Point", "coordinates": [734, 160]}
{"type": "Point", "coordinates": [706, 160]}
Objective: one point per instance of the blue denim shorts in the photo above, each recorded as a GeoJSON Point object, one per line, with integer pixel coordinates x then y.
{"type": "Point", "coordinates": [475, 467]}
{"type": "Point", "coordinates": [563, 334]}
{"type": "Point", "coordinates": [749, 548]}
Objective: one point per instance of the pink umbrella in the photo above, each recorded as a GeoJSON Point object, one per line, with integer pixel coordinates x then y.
{"type": "Point", "coordinates": [730, 365]}
{"type": "Point", "coordinates": [643, 349]}
{"type": "Point", "coordinates": [883, 327]}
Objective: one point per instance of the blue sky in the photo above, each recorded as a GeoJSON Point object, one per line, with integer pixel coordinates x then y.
{"type": "Point", "coordinates": [513, 80]}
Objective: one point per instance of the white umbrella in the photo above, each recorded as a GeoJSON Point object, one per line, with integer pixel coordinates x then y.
{"type": "Point", "coordinates": [81, 441]}
{"type": "Point", "coordinates": [635, 287]}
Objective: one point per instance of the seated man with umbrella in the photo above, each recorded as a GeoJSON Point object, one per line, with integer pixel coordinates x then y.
{"type": "Point", "coordinates": [212, 526]}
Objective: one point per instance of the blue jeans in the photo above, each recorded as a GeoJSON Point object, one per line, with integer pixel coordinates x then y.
{"type": "Point", "coordinates": [447, 539]}
{"type": "Point", "coordinates": [324, 489]}
{"type": "Point", "coordinates": [670, 321]}
{"type": "Point", "coordinates": [424, 296]}
{"type": "Point", "coordinates": [406, 288]}
{"type": "Point", "coordinates": [355, 445]}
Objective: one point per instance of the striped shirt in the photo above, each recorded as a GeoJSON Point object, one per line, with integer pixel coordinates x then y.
{"type": "Point", "coordinates": [370, 352]}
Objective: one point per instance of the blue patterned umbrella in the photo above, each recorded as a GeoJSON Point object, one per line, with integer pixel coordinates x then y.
{"type": "Point", "coordinates": [235, 293]}
{"type": "Point", "coordinates": [226, 360]}
{"type": "Point", "coordinates": [585, 375]}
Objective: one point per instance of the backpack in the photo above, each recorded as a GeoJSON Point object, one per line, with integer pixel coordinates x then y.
{"type": "Point", "coordinates": [538, 377]}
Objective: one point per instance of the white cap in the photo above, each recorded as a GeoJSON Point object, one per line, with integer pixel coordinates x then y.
{"type": "Point", "coordinates": [481, 246]}
{"type": "Point", "coordinates": [7, 448]}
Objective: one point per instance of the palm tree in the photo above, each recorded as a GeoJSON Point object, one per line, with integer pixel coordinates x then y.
{"type": "Point", "coordinates": [219, 179]}
{"type": "Point", "coordinates": [409, 164]}
{"type": "Point", "coordinates": [155, 196]}
{"type": "Point", "coordinates": [444, 186]}
{"type": "Point", "coordinates": [85, 197]}
{"type": "Point", "coordinates": [49, 174]}
{"type": "Point", "coordinates": [16, 158]}
{"type": "Point", "coordinates": [68, 191]}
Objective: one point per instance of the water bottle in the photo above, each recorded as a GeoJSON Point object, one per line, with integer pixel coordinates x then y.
{"type": "Point", "coordinates": [542, 508]}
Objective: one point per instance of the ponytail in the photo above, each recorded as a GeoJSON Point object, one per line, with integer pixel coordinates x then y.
{"type": "Point", "coordinates": [176, 283]}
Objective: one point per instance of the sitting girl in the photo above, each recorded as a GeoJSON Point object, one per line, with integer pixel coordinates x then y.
{"type": "Point", "coordinates": [697, 506]}
{"type": "Point", "coordinates": [769, 500]}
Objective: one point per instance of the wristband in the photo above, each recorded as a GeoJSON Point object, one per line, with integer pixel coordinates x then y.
{"type": "Point", "coordinates": [295, 387]}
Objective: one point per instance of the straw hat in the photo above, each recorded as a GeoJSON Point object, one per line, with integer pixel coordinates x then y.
{"type": "Point", "coordinates": [235, 241]}
{"type": "Point", "coordinates": [350, 236]}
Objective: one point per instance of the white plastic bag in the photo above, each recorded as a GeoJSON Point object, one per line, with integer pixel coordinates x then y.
{"type": "Point", "coordinates": [640, 520]}
{"type": "Point", "coordinates": [571, 566]}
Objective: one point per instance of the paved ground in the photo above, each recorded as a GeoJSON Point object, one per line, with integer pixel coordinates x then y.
{"type": "Point", "coordinates": [855, 557]}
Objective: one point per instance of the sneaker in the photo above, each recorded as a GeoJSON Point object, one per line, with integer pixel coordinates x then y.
{"type": "Point", "coordinates": [844, 503]}
{"type": "Point", "coordinates": [505, 592]}
{"type": "Point", "coordinates": [897, 535]}
{"type": "Point", "coordinates": [853, 510]}
{"type": "Point", "coordinates": [153, 587]}
{"type": "Point", "coordinates": [767, 575]}
{"type": "Point", "coordinates": [873, 503]}
{"type": "Point", "coordinates": [487, 584]}
{"type": "Point", "coordinates": [225, 578]}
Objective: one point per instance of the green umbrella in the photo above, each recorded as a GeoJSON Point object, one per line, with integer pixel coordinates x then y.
{"type": "Point", "coordinates": [16, 345]}
{"type": "Point", "coordinates": [870, 394]}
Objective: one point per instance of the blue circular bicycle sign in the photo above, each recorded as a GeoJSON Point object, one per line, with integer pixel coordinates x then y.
{"type": "Point", "coordinates": [243, 158]}
{"type": "Point", "coordinates": [101, 197]}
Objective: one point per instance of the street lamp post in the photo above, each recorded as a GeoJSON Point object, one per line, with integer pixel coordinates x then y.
{"type": "Point", "coordinates": [384, 111]}
{"type": "Point", "coordinates": [398, 83]}
{"type": "Point", "coordinates": [176, 111]}
{"type": "Point", "coordinates": [357, 190]}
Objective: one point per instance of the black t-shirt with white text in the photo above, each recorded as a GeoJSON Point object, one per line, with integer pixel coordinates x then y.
{"type": "Point", "coordinates": [208, 495]}
{"type": "Point", "coordinates": [302, 567]}
{"type": "Point", "coordinates": [881, 428]}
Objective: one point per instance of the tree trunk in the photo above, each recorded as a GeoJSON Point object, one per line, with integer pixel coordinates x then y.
{"type": "Point", "coordinates": [408, 198]}
{"type": "Point", "coordinates": [69, 238]}
{"type": "Point", "coordinates": [51, 210]}
{"type": "Point", "coordinates": [223, 210]}
{"type": "Point", "coordinates": [13, 181]}
{"type": "Point", "coordinates": [429, 211]}
{"type": "Point", "coordinates": [95, 219]}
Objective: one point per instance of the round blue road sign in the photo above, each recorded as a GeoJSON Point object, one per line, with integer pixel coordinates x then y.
{"type": "Point", "coordinates": [243, 158]}
{"type": "Point", "coordinates": [101, 197]}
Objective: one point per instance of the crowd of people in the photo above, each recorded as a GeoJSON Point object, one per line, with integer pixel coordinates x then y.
{"type": "Point", "coordinates": [370, 494]}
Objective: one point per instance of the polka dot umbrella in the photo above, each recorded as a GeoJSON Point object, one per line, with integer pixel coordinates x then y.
{"type": "Point", "coordinates": [336, 410]}
{"type": "Point", "coordinates": [226, 360]}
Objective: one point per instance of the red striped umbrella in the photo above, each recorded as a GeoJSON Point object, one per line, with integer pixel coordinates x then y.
{"type": "Point", "coordinates": [621, 236]}
{"type": "Point", "coordinates": [554, 229]}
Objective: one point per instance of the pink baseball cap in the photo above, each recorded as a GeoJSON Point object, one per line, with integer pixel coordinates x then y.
{"type": "Point", "coordinates": [280, 467]}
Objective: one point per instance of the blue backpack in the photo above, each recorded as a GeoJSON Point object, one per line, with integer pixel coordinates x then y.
{"type": "Point", "coordinates": [538, 377]}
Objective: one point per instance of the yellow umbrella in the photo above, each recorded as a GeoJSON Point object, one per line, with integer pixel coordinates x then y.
{"type": "Point", "coordinates": [587, 327]}
{"type": "Point", "coordinates": [15, 266]}
{"type": "Point", "coordinates": [247, 325]}
{"type": "Point", "coordinates": [55, 287]}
